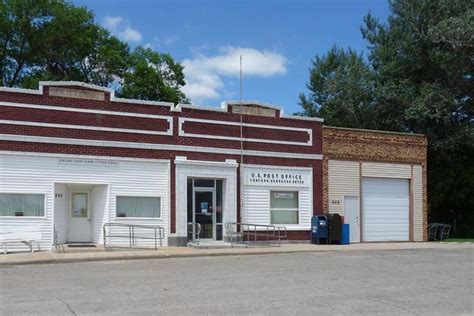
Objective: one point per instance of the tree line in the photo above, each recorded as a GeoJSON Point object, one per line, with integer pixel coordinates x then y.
{"type": "Point", "coordinates": [416, 77]}
{"type": "Point", "coordinates": [55, 40]}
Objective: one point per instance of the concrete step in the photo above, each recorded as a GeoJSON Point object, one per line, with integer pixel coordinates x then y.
{"type": "Point", "coordinates": [217, 244]}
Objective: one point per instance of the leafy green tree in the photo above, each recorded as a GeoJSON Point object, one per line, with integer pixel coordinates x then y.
{"type": "Point", "coordinates": [153, 76]}
{"type": "Point", "coordinates": [341, 90]}
{"type": "Point", "coordinates": [55, 40]}
{"type": "Point", "coordinates": [419, 78]}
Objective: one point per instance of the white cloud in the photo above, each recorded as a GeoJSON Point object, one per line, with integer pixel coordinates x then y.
{"type": "Point", "coordinates": [112, 22]}
{"type": "Point", "coordinates": [205, 74]}
{"type": "Point", "coordinates": [131, 35]}
{"type": "Point", "coordinates": [122, 28]}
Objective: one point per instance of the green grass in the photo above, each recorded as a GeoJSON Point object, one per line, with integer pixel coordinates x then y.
{"type": "Point", "coordinates": [459, 240]}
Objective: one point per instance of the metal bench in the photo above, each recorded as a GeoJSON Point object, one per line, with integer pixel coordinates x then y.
{"type": "Point", "coordinates": [26, 235]}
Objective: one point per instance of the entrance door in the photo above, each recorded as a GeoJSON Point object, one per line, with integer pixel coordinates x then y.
{"type": "Point", "coordinates": [351, 217]}
{"type": "Point", "coordinates": [204, 201]}
{"type": "Point", "coordinates": [79, 218]}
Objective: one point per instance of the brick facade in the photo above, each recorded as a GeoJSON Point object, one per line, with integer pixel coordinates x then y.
{"type": "Point", "coordinates": [81, 119]}
{"type": "Point", "coordinates": [83, 122]}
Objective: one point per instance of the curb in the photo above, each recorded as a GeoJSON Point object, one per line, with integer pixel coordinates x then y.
{"type": "Point", "coordinates": [131, 256]}
{"type": "Point", "coordinates": [160, 256]}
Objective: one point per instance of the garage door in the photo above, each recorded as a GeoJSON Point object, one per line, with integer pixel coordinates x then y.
{"type": "Point", "coordinates": [385, 207]}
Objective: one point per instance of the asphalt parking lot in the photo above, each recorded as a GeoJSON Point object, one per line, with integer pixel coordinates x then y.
{"type": "Point", "coordinates": [422, 281]}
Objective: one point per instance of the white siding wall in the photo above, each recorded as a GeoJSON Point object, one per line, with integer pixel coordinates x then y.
{"type": "Point", "coordinates": [343, 179]}
{"type": "Point", "coordinates": [417, 187]}
{"type": "Point", "coordinates": [41, 174]}
{"type": "Point", "coordinates": [256, 206]}
{"type": "Point", "coordinates": [100, 204]}
{"type": "Point", "coordinates": [18, 178]}
{"type": "Point", "coordinates": [386, 170]}
{"type": "Point", "coordinates": [256, 202]}
{"type": "Point", "coordinates": [61, 211]}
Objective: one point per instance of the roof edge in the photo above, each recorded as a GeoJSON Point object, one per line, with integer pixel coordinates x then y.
{"type": "Point", "coordinates": [374, 131]}
{"type": "Point", "coordinates": [224, 104]}
{"type": "Point", "coordinates": [75, 83]}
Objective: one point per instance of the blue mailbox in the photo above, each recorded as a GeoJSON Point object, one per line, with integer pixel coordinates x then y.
{"type": "Point", "coordinates": [319, 229]}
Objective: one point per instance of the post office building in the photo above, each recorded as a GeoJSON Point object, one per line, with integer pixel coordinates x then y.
{"type": "Point", "coordinates": [75, 159]}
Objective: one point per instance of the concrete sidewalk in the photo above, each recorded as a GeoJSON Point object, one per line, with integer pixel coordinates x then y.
{"type": "Point", "coordinates": [177, 252]}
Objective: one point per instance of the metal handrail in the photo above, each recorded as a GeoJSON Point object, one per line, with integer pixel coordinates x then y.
{"type": "Point", "coordinates": [248, 232]}
{"type": "Point", "coordinates": [158, 234]}
{"type": "Point", "coordinates": [195, 231]}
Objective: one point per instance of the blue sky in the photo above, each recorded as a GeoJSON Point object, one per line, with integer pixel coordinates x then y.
{"type": "Point", "coordinates": [277, 39]}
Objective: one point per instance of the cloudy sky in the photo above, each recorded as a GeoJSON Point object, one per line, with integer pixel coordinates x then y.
{"type": "Point", "coordinates": [277, 40]}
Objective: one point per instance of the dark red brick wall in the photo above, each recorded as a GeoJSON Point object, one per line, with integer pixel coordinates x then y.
{"type": "Point", "coordinates": [291, 235]}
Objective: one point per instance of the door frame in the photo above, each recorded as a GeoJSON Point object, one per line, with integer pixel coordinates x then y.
{"type": "Point", "coordinates": [213, 191]}
{"type": "Point", "coordinates": [89, 212]}
{"type": "Point", "coordinates": [358, 213]}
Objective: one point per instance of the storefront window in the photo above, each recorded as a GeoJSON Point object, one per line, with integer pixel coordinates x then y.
{"type": "Point", "coordinates": [284, 207]}
{"type": "Point", "coordinates": [138, 206]}
{"type": "Point", "coordinates": [14, 204]}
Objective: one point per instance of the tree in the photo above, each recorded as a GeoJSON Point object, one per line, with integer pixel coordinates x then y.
{"type": "Point", "coordinates": [153, 76]}
{"type": "Point", "coordinates": [340, 82]}
{"type": "Point", "coordinates": [420, 79]}
{"type": "Point", "coordinates": [55, 40]}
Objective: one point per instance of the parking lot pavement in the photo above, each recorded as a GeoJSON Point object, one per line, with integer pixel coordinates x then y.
{"type": "Point", "coordinates": [421, 281]}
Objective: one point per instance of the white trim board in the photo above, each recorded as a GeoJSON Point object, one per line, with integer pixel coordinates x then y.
{"type": "Point", "coordinates": [169, 119]}
{"type": "Point", "coordinates": [182, 133]}
{"type": "Point", "coordinates": [22, 90]}
{"type": "Point", "coordinates": [100, 143]}
{"type": "Point", "coordinates": [81, 110]}
{"type": "Point", "coordinates": [89, 127]}
{"type": "Point", "coordinates": [228, 163]}
{"type": "Point", "coordinates": [55, 155]}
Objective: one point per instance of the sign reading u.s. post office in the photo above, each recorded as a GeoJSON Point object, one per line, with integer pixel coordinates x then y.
{"type": "Point", "coordinates": [277, 177]}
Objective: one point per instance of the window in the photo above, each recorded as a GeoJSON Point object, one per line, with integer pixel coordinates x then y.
{"type": "Point", "coordinates": [79, 205]}
{"type": "Point", "coordinates": [138, 206]}
{"type": "Point", "coordinates": [284, 207]}
{"type": "Point", "coordinates": [15, 204]}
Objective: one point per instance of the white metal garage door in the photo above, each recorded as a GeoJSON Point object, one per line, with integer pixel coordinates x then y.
{"type": "Point", "coordinates": [385, 207]}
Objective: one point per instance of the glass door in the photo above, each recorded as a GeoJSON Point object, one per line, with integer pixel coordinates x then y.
{"type": "Point", "coordinates": [204, 211]}
{"type": "Point", "coordinates": [205, 207]}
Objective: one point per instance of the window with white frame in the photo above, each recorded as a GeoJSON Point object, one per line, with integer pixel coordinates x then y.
{"type": "Point", "coordinates": [19, 204]}
{"type": "Point", "coordinates": [284, 207]}
{"type": "Point", "coordinates": [138, 206]}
